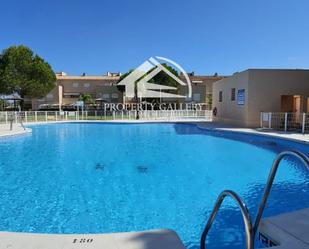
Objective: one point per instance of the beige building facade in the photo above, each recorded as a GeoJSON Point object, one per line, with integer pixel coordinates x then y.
{"type": "Point", "coordinates": [201, 89]}
{"type": "Point", "coordinates": [103, 89]}
{"type": "Point", "coordinates": [69, 89]}
{"type": "Point", "coordinates": [240, 99]}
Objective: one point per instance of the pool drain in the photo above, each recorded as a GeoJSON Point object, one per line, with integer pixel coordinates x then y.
{"type": "Point", "coordinates": [142, 169]}
{"type": "Point", "coordinates": [99, 166]}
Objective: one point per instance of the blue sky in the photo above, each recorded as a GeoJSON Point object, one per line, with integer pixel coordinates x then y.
{"type": "Point", "coordinates": [205, 36]}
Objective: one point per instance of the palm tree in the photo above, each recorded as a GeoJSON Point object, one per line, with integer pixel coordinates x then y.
{"type": "Point", "coordinates": [86, 98]}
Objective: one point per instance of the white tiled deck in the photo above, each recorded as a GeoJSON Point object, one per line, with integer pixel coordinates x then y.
{"type": "Point", "coordinates": [17, 130]}
{"type": "Point", "coordinates": [258, 131]}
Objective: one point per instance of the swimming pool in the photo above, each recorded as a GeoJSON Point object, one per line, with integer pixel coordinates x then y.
{"type": "Point", "coordinates": [99, 178]}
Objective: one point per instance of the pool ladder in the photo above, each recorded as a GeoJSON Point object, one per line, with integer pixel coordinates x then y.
{"type": "Point", "coordinates": [250, 230]}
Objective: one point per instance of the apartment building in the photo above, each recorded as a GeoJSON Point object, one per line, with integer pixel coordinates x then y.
{"type": "Point", "coordinates": [103, 89]}
{"type": "Point", "coordinates": [69, 88]}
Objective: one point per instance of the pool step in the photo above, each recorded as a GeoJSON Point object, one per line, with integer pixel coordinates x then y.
{"type": "Point", "coordinates": [154, 239]}
{"type": "Point", "coordinates": [286, 231]}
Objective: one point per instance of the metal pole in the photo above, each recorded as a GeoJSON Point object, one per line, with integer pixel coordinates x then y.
{"type": "Point", "coordinates": [36, 116]}
{"type": "Point", "coordinates": [285, 121]}
{"type": "Point", "coordinates": [269, 120]}
{"type": "Point", "coordinates": [304, 123]}
{"type": "Point", "coordinates": [261, 120]}
{"type": "Point", "coordinates": [245, 216]}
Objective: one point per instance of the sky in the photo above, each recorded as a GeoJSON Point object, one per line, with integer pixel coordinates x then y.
{"type": "Point", "coordinates": [204, 36]}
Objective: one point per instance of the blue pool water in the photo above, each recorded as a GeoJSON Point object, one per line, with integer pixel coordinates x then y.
{"type": "Point", "coordinates": [99, 178]}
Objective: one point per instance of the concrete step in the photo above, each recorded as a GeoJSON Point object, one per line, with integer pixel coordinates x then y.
{"type": "Point", "coordinates": [286, 231]}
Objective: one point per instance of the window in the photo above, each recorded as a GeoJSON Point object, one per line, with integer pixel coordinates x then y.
{"type": "Point", "coordinates": [105, 96]}
{"type": "Point", "coordinates": [114, 95]}
{"type": "Point", "coordinates": [75, 85]}
{"type": "Point", "coordinates": [86, 85]}
{"type": "Point", "coordinates": [220, 96]}
{"type": "Point", "coordinates": [71, 95]}
{"type": "Point", "coordinates": [50, 96]}
{"type": "Point", "coordinates": [233, 92]}
{"type": "Point", "coordinates": [196, 97]}
{"type": "Point", "coordinates": [107, 84]}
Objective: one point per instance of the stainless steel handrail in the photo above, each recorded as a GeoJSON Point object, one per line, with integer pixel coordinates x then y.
{"type": "Point", "coordinates": [21, 122]}
{"type": "Point", "coordinates": [245, 216]}
{"type": "Point", "coordinates": [270, 181]}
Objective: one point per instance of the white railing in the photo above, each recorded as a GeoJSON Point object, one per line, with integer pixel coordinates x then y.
{"type": "Point", "coordinates": [285, 121]}
{"type": "Point", "coordinates": [56, 116]}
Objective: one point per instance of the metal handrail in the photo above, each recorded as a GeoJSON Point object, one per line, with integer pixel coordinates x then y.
{"type": "Point", "coordinates": [270, 181]}
{"type": "Point", "coordinates": [21, 122]}
{"type": "Point", "coordinates": [245, 216]}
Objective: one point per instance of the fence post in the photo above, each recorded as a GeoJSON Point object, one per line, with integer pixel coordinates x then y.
{"type": "Point", "coordinates": [56, 116]}
{"type": "Point", "coordinates": [66, 115]}
{"type": "Point", "coordinates": [15, 117]}
{"type": "Point", "coordinates": [46, 116]}
{"type": "Point", "coordinates": [285, 122]}
{"type": "Point", "coordinates": [6, 117]}
{"type": "Point", "coordinates": [122, 114]}
{"type": "Point", "coordinates": [304, 123]}
{"type": "Point", "coordinates": [269, 120]}
{"type": "Point", "coordinates": [95, 114]}
{"type": "Point", "coordinates": [26, 117]}
{"type": "Point", "coordinates": [36, 116]}
{"type": "Point", "coordinates": [261, 120]}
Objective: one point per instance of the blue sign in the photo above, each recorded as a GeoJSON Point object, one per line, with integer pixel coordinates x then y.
{"type": "Point", "coordinates": [241, 97]}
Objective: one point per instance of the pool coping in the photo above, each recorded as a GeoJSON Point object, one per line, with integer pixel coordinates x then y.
{"type": "Point", "coordinates": [151, 239]}
{"type": "Point", "coordinates": [202, 124]}
{"type": "Point", "coordinates": [290, 136]}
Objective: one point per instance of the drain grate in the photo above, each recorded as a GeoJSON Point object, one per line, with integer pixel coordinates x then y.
{"type": "Point", "coordinates": [99, 166]}
{"type": "Point", "coordinates": [142, 169]}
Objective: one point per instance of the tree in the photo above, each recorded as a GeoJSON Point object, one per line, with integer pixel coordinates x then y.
{"type": "Point", "coordinates": [25, 73]}
{"type": "Point", "coordinates": [86, 98]}
{"type": "Point", "coordinates": [163, 79]}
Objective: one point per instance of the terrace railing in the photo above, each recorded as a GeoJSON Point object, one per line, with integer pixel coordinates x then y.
{"type": "Point", "coordinates": [285, 121]}
{"type": "Point", "coordinates": [57, 116]}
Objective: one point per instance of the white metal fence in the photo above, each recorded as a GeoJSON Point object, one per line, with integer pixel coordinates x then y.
{"type": "Point", "coordinates": [55, 116]}
{"type": "Point", "coordinates": [285, 121]}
